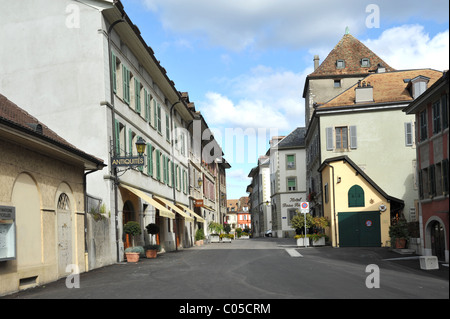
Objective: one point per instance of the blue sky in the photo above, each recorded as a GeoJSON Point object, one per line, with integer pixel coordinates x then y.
{"type": "Point", "coordinates": [244, 63]}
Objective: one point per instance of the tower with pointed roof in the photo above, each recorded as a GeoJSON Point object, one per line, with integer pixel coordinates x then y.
{"type": "Point", "coordinates": [348, 62]}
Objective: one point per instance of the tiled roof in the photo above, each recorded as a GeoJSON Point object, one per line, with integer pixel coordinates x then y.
{"type": "Point", "coordinates": [352, 51]}
{"type": "Point", "coordinates": [12, 114]}
{"type": "Point", "coordinates": [387, 87]}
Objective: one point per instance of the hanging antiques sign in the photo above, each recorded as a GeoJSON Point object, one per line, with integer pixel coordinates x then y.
{"type": "Point", "coordinates": [128, 161]}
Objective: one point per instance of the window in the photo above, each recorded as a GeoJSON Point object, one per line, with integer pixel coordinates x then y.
{"type": "Point", "coordinates": [409, 136]}
{"type": "Point", "coordinates": [119, 137]}
{"type": "Point", "coordinates": [291, 213]}
{"type": "Point", "coordinates": [337, 83]}
{"type": "Point", "coordinates": [365, 62]}
{"type": "Point", "coordinates": [183, 144]}
{"type": "Point", "coordinates": [137, 95]}
{"type": "Point", "coordinates": [158, 117]}
{"type": "Point", "coordinates": [126, 75]}
{"type": "Point", "coordinates": [167, 128]}
{"type": "Point", "coordinates": [436, 117]}
{"type": "Point", "coordinates": [341, 137]}
{"type": "Point", "coordinates": [444, 111]}
{"type": "Point", "coordinates": [423, 125]}
{"type": "Point", "coordinates": [340, 64]}
{"type": "Point", "coordinates": [290, 161]}
{"type": "Point", "coordinates": [131, 137]}
{"type": "Point", "coordinates": [432, 180]}
{"type": "Point", "coordinates": [149, 159]}
{"type": "Point", "coordinates": [356, 196]}
{"type": "Point", "coordinates": [114, 71]}
{"type": "Point", "coordinates": [325, 192]}
{"type": "Point", "coordinates": [292, 183]}
{"type": "Point", "coordinates": [147, 99]}
{"type": "Point", "coordinates": [445, 176]}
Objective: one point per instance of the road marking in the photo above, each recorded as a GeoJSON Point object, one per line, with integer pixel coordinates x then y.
{"type": "Point", "coordinates": [293, 252]}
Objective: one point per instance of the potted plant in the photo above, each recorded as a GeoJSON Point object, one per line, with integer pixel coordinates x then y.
{"type": "Point", "coordinates": [151, 250]}
{"type": "Point", "coordinates": [298, 222]}
{"type": "Point", "coordinates": [318, 238]}
{"type": "Point", "coordinates": [301, 240]}
{"type": "Point", "coordinates": [133, 253]}
{"type": "Point", "coordinates": [199, 237]}
{"type": "Point", "coordinates": [215, 229]}
{"type": "Point", "coordinates": [226, 238]}
{"type": "Point", "coordinates": [398, 231]}
{"type": "Point", "coordinates": [132, 228]}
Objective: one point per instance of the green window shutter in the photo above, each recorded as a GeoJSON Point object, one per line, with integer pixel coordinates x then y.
{"type": "Point", "coordinates": [356, 196]}
{"type": "Point", "coordinates": [167, 128]}
{"type": "Point", "coordinates": [176, 176]}
{"type": "Point", "coordinates": [155, 115]}
{"type": "Point", "coordinates": [114, 72]}
{"type": "Point", "coordinates": [172, 182]}
{"type": "Point", "coordinates": [137, 95]}
{"type": "Point", "coordinates": [159, 117]}
{"type": "Point", "coordinates": [149, 159]}
{"type": "Point", "coordinates": [117, 137]}
{"type": "Point", "coordinates": [164, 176]}
{"type": "Point", "coordinates": [158, 165]}
{"type": "Point", "coordinates": [126, 84]}
{"type": "Point", "coordinates": [146, 103]}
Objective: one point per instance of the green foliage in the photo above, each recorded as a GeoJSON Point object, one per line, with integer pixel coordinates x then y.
{"type": "Point", "coordinates": [298, 221]}
{"type": "Point", "coordinates": [199, 234]}
{"type": "Point", "coordinates": [321, 222]}
{"type": "Point", "coordinates": [132, 228]}
{"type": "Point", "coordinates": [399, 229]}
{"type": "Point", "coordinates": [135, 249]}
{"type": "Point", "coordinates": [215, 227]}
{"type": "Point", "coordinates": [227, 228]}
{"type": "Point", "coordinates": [152, 247]}
{"type": "Point", "coordinates": [152, 229]}
{"type": "Point", "coordinates": [227, 236]}
{"type": "Point", "coordinates": [239, 232]}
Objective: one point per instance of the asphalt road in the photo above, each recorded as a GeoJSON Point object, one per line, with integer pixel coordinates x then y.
{"type": "Point", "coordinates": [259, 270]}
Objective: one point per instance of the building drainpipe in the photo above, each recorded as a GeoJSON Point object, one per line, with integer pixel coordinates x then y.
{"type": "Point", "coordinates": [113, 117]}
{"type": "Point", "coordinates": [334, 207]}
{"type": "Point", "coordinates": [173, 163]}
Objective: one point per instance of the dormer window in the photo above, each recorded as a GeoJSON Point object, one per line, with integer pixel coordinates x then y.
{"type": "Point", "coordinates": [418, 85]}
{"type": "Point", "coordinates": [340, 64]}
{"type": "Point", "coordinates": [365, 63]}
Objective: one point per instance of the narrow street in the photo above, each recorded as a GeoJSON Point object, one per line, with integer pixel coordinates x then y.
{"type": "Point", "coordinates": [260, 268]}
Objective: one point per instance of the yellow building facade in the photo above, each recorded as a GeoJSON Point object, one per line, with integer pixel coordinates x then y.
{"type": "Point", "coordinates": [359, 211]}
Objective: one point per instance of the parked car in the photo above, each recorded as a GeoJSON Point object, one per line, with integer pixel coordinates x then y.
{"type": "Point", "coordinates": [268, 233]}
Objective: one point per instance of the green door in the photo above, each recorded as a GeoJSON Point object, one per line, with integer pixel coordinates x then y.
{"type": "Point", "coordinates": [359, 229]}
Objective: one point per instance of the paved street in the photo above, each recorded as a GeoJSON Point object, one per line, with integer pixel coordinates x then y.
{"type": "Point", "coordinates": [260, 268]}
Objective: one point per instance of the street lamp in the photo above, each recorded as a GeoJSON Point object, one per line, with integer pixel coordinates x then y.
{"type": "Point", "coordinates": [140, 146]}
{"type": "Point", "coordinates": [200, 182]}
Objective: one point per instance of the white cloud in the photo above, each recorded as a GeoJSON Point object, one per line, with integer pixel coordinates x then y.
{"type": "Point", "coordinates": [238, 25]}
{"type": "Point", "coordinates": [410, 47]}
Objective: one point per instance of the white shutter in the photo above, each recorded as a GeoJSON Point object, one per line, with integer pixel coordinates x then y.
{"type": "Point", "coordinates": [353, 139]}
{"type": "Point", "coordinates": [329, 135]}
{"type": "Point", "coordinates": [408, 134]}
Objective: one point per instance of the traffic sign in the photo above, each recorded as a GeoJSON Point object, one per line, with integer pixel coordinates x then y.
{"type": "Point", "coordinates": [304, 207]}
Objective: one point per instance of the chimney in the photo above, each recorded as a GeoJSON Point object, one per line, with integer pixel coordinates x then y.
{"type": "Point", "coordinates": [380, 68]}
{"type": "Point", "coordinates": [316, 62]}
{"type": "Point", "coordinates": [363, 92]}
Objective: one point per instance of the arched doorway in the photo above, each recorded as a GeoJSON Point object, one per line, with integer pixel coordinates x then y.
{"type": "Point", "coordinates": [437, 240]}
{"type": "Point", "coordinates": [127, 215]}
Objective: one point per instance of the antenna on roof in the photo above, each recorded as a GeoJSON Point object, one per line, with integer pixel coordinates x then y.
{"type": "Point", "coordinates": [347, 30]}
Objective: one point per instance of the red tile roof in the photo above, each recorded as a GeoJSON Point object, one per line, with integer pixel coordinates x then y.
{"type": "Point", "coordinates": [387, 87]}
{"type": "Point", "coordinates": [12, 114]}
{"type": "Point", "coordinates": [352, 51]}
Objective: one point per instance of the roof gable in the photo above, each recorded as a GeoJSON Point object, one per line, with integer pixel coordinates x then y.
{"type": "Point", "coordinates": [351, 51]}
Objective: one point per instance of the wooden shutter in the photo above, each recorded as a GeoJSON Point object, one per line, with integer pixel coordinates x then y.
{"type": "Point", "coordinates": [158, 165]}
{"type": "Point", "coordinates": [117, 137]}
{"type": "Point", "coordinates": [353, 138]}
{"type": "Point", "coordinates": [137, 95]}
{"type": "Point", "coordinates": [149, 159]}
{"type": "Point", "coordinates": [113, 71]}
{"type": "Point", "coordinates": [408, 134]}
{"type": "Point", "coordinates": [329, 137]}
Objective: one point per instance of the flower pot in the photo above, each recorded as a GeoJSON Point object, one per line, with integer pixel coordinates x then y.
{"type": "Point", "coordinates": [199, 242]}
{"type": "Point", "coordinates": [319, 242]}
{"type": "Point", "coordinates": [132, 257]}
{"type": "Point", "coordinates": [215, 239]}
{"type": "Point", "coordinates": [400, 243]}
{"type": "Point", "coordinates": [150, 253]}
{"type": "Point", "coordinates": [301, 242]}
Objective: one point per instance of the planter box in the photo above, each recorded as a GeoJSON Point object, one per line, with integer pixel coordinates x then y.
{"type": "Point", "coordinates": [301, 243]}
{"type": "Point", "coordinates": [226, 240]}
{"type": "Point", "coordinates": [150, 253]}
{"type": "Point", "coordinates": [214, 239]}
{"type": "Point", "coordinates": [132, 257]}
{"type": "Point", "coordinates": [319, 242]}
{"type": "Point", "coordinates": [245, 237]}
